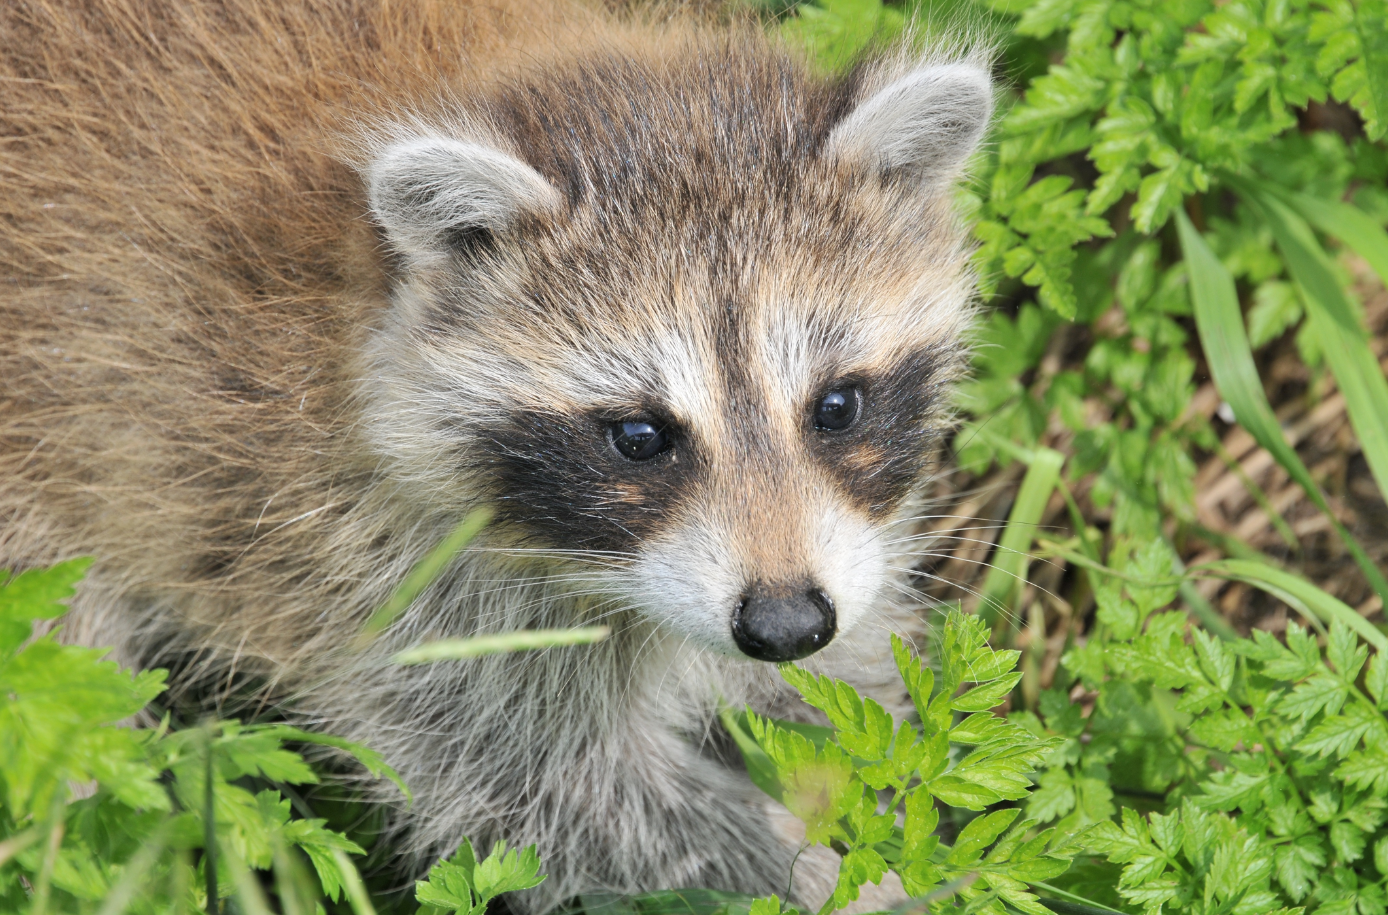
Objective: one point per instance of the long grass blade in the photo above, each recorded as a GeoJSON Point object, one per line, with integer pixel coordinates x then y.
{"type": "Point", "coordinates": [1332, 316]}
{"type": "Point", "coordinates": [425, 571]}
{"type": "Point", "coordinates": [209, 821]}
{"type": "Point", "coordinates": [1003, 585]}
{"type": "Point", "coordinates": [250, 896]}
{"type": "Point", "coordinates": [18, 842]}
{"type": "Point", "coordinates": [1351, 225]}
{"type": "Point", "coordinates": [357, 897]}
{"type": "Point", "coordinates": [523, 640]}
{"type": "Point", "coordinates": [1296, 592]}
{"type": "Point", "coordinates": [136, 871]}
{"type": "Point", "coordinates": [1219, 323]}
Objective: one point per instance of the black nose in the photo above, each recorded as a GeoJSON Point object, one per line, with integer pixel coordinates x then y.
{"type": "Point", "coordinates": [783, 624]}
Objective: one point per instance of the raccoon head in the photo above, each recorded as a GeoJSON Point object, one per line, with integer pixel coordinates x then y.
{"type": "Point", "coordinates": [686, 323]}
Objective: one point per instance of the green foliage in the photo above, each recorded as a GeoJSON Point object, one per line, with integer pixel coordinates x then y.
{"type": "Point", "coordinates": [960, 757]}
{"type": "Point", "coordinates": [92, 811]}
{"type": "Point", "coordinates": [1155, 192]}
{"type": "Point", "coordinates": [463, 885]}
{"type": "Point", "coordinates": [837, 32]}
{"type": "Point", "coordinates": [1146, 109]}
{"type": "Point", "coordinates": [1270, 760]}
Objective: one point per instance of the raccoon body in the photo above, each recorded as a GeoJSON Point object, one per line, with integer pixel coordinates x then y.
{"type": "Point", "coordinates": [288, 288]}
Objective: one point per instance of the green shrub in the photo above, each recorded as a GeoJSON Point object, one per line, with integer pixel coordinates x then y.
{"type": "Point", "coordinates": [97, 816]}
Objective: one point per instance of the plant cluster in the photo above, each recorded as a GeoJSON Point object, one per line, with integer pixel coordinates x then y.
{"type": "Point", "coordinates": [873, 790]}
{"type": "Point", "coordinates": [96, 816]}
{"type": "Point", "coordinates": [1263, 763]}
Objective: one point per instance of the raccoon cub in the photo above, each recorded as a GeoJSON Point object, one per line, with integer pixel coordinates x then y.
{"type": "Point", "coordinates": [287, 287]}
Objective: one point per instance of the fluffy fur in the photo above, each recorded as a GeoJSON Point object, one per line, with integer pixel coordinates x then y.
{"type": "Point", "coordinates": [286, 288]}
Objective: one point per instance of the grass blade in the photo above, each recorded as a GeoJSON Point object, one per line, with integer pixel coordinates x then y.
{"type": "Point", "coordinates": [1332, 315]}
{"type": "Point", "coordinates": [250, 896]}
{"type": "Point", "coordinates": [357, 896]}
{"type": "Point", "coordinates": [1003, 585]}
{"type": "Point", "coordinates": [209, 821]}
{"type": "Point", "coordinates": [524, 640]}
{"type": "Point", "coordinates": [1348, 223]}
{"type": "Point", "coordinates": [425, 571]}
{"type": "Point", "coordinates": [136, 871]}
{"type": "Point", "coordinates": [1219, 323]}
{"type": "Point", "coordinates": [1296, 592]}
{"type": "Point", "coordinates": [18, 842]}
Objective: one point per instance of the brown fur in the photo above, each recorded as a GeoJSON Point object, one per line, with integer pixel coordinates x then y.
{"type": "Point", "coordinates": [188, 274]}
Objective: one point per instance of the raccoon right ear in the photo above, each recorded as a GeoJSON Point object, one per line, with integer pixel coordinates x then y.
{"type": "Point", "coordinates": [925, 124]}
{"type": "Point", "coordinates": [430, 192]}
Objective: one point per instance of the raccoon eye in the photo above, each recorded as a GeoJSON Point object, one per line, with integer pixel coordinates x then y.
{"type": "Point", "coordinates": [638, 440]}
{"type": "Point", "coordinates": [837, 409]}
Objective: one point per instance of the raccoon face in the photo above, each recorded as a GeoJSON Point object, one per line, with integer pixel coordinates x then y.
{"type": "Point", "coordinates": [689, 331]}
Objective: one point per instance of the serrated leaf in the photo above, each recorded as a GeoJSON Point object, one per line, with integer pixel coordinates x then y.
{"type": "Point", "coordinates": [1376, 680]}
{"type": "Point", "coordinates": [1320, 693]}
{"type": "Point", "coordinates": [1053, 798]}
{"type": "Point", "coordinates": [1338, 734]}
{"type": "Point", "coordinates": [1366, 770]}
{"type": "Point", "coordinates": [918, 831]}
{"type": "Point", "coordinates": [956, 792]}
{"type": "Point", "coordinates": [770, 905]}
{"type": "Point", "coordinates": [1298, 865]}
{"type": "Point", "coordinates": [1224, 729]}
{"type": "Point", "coordinates": [982, 698]}
{"type": "Point", "coordinates": [1348, 841]}
{"type": "Point", "coordinates": [36, 594]}
{"type": "Point", "coordinates": [919, 679]}
{"type": "Point", "coordinates": [1345, 652]}
{"type": "Point", "coordinates": [506, 871]}
{"type": "Point", "coordinates": [978, 834]}
{"type": "Point", "coordinates": [1216, 660]}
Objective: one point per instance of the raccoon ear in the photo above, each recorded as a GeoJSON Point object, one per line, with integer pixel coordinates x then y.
{"type": "Point", "coordinates": [925, 124]}
{"type": "Point", "coordinates": [428, 193]}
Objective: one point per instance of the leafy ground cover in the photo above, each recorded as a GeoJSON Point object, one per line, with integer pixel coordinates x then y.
{"type": "Point", "coordinates": [1165, 530]}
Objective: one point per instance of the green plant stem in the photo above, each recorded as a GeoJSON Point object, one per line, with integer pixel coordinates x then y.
{"type": "Point", "coordinates": [209, 824]}
{"type": "Point", "coordinates": [43, 885]}
{"type": "Point", "coordinates": [1080, 905]}
{"type": "Point", "coordinates": [1003, 585]}
{"type": "Point", "coordinates": [1284, 529]}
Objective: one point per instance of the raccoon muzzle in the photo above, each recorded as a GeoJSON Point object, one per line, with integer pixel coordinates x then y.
{"type": "Point", "coordinates": [784, 624]}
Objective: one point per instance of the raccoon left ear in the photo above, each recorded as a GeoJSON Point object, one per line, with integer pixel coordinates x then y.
{"type": "Point", "coordinates": [428, 193]}
{"type": "Point", "coordinates": [925, 124]}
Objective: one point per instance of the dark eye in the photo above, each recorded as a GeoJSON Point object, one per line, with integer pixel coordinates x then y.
{"type": "Point", "coordinates": [638, 440]}
{"type": "Point", "coordinates": [837, 409]}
